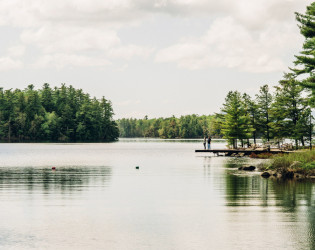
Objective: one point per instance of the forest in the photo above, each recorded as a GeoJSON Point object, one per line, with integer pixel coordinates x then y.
{"type": "Point", "coordinates": [62, 114]}
{"type": "Point", "coordinates": [189, 126]}
{"type": "Point", "coordinates": [270, 115]}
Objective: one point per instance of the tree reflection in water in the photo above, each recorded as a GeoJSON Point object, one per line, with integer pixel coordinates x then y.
{"type": "Point", "coordinates": [64, 179]}
{"type": "Point", "coordinates": [292, 201]}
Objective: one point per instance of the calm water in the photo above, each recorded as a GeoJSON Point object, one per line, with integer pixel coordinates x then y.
{"type": "Point", "coordinates": [178, 199]}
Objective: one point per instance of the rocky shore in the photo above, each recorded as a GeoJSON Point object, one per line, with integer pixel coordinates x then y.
{"type": "Point", "coordinates": [292, 172]}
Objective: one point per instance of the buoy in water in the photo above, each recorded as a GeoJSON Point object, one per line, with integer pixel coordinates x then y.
{"type": "Point", "coordinates": [53, 168]}
{"type": "Point", "coordinates": [137, 167]}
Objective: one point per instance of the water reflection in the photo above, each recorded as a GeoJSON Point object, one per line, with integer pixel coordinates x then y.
{"type": "Point", "coordinates": [288, 204]}
{"type": "Point", "coordinates": [177, 199]}
{"type": "Point", "coordinates": [63, 178]}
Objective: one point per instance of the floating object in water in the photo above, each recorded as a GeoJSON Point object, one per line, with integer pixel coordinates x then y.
{"type": "Point", "coordinates": [53, 168]}
{"type": "Point", "coordinates": [137, 167]}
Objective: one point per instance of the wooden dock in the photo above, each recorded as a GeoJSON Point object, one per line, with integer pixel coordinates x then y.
{"type": "Point", "coordinates": [229, 152]}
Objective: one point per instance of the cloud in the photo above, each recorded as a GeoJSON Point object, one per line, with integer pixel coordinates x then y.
{"type": "Point", "coordinates": [90, 30]}
{"type": "Point", "coordinates": [7, 63]}
{"type": "Point", "coordinates": [35, 13]}
{"type": "Point", "coordinates": [228, 44]}
{"type": "Point", "coordinates": [98, 45]}
{"type": "Point", "coordinates": [61, 60]}
{"type": "Point", "coordinates": [16, 51]}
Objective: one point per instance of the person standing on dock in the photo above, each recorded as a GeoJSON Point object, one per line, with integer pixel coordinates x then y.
{"type": "Point", "coordinates": [209, 142]}
{"type": "Point", "coordinates": [204, 142]}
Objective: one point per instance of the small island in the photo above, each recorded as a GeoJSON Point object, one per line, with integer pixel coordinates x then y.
{"type": "Point", "coordinates": [63, 114]}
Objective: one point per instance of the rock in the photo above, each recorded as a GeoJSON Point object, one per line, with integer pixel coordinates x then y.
{"type": "Point", "coordinates": [241, 154]}
{"type": "Point", "coordinates": [287, 174]}
{"type": "Point", "coordinates": [250, 168]}
{"type": "Point", "coordinates": [233, 155]}
{"type": "Point", "coordinates": [265, 175]}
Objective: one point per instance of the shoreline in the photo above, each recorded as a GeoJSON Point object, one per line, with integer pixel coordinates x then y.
{"type": "Point", "coordinates": [296, 165]}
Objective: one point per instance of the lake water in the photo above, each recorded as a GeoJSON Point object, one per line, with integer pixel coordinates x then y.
{"type": "Point", "coordinates": [177, 199]}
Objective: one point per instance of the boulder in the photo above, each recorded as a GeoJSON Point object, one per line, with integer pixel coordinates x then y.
{"type": "Point", "coordinates": [265, 174]}
{"type": "Point", "coordinates": [250, 168]}
{"type": "Point", "coordinates": [287, 174]}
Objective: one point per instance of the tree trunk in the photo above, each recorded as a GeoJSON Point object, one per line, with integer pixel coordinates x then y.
{"type": "Point", "coordinates": [235, 143]}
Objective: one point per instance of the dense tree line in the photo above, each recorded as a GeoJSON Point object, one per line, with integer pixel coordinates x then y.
{"type": "Point", "coordinates": [55, 114]}
{"type": "Point", "coordinates": [189, 126]}
{"type": "Point", "coordinates": [285, 114]}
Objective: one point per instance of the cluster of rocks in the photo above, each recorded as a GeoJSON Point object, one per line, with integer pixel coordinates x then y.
{"type": "Point", "coordinates": [235, 154]}
{"type": "Point", "coordinates": [283, 173]}
{"type": "Point", "coordinates": [249, 168]}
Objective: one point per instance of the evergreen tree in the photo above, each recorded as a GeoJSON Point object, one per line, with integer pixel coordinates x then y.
{"type": "Point", "coordinates": [290, 110]}
{"type": "Point", "coordinates": [251, 109]}
{"type": "Point", "coordinates": [236, 124]}
{"type": "Point", "coordinates": [59, 114]}
{"type": "Point", "coordinates": [306, 59]}
{"type": "Point", "coordinates": [264, 101]}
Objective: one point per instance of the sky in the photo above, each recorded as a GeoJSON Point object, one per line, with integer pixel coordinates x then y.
{"type": "Point", "coordinates": [157, 58]}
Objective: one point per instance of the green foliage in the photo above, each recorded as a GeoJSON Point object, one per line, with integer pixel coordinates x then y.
{"type": "Point", "coordinates": [59, 114]}
{"type": "Point", "coordinates": [306, 60]}
{"type": "Point", "coordinates": [236, 119]}
{"type": "Point", "coordinates": [287, 114]}
{"type": "Point", "coordinates": [305, 160]}
{"type": "Point", "coordinates": [290, 111]}
{"type": "Point", "coordinates": [264, 101]}
{"type": "Point", "coordinates": [189, 126]}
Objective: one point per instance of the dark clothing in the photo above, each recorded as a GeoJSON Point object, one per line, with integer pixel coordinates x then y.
{"type": "Point", "coordinates": [209, 140]}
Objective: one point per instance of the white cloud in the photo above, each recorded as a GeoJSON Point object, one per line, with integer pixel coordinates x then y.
{"type": "Point", "coordinates": [16, 51]}
{"type": "Point", "coordinates": [56, 38]}
{"type": "Point", "coordinates": [67, 60]}
{"type": "Point", "coordinates": [82, 29]}
{"type": "Point", "coordinates": [229, 44]}
{"type": "Point", "coordinates": [7, 63]}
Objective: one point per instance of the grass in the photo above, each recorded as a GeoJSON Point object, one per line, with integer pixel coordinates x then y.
{"type": "Point", "coordinates": [300, 161]}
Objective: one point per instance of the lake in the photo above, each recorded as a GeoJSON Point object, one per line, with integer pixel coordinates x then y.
{"type": "Point", "coordinates": [177, 199]}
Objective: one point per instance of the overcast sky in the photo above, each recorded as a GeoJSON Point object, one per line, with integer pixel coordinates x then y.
{"type": "Point", "coordinates": [149, 57]}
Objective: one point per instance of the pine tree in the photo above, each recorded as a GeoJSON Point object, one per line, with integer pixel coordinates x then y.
{"type": "Point", "coordinates": [264, 100]}
{"type": "Point", "coordinates": [306, 59]}
{"type": "Point", "coordinates": [236, 124]}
